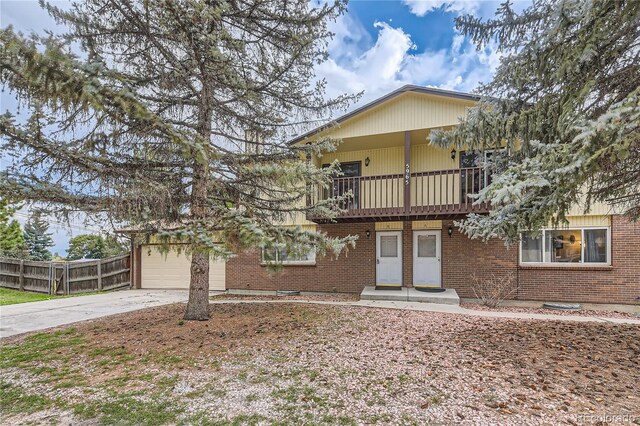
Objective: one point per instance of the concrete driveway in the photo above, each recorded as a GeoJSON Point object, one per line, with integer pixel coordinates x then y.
{"type": "Point", "coordinates": [33, 316]}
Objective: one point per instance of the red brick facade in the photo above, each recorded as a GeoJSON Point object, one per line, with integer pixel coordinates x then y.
{"type": "Point", "coordinates": [351, 272]}
{"type": "Point", "coordinates": [461, 257]}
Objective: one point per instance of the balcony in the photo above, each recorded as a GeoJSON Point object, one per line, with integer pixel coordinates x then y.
{"type": "Point", "coordinates": [422, 195]}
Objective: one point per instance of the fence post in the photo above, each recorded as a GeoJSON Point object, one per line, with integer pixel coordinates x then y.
{"type": "Point", "coordinates": [52, 277]}
{"type": "Point", "coordinates": [21, 276]}
{"type": "Point", "coordinates": [67, 286]}
{"type": "Point", "coordinates": [99, 274]}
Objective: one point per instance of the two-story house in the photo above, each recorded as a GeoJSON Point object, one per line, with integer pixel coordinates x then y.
{"type": "Point", "coordinates": [406, 195]}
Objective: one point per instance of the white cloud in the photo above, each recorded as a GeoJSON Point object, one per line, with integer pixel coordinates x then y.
{"type": "Point", "coordinates": [482, 8]}
{"type": "Point", "coordinates": [391, 61]}
{"type": "Point", "coordinates": [374, 68]}
{"type": "Point", "coordinates": [385, 58]}
{"type": "Point", "coordinates": [422, 7]}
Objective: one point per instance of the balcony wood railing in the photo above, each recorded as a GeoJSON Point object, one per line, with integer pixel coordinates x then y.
{"type": "Point", "coordinates": [430, 194]}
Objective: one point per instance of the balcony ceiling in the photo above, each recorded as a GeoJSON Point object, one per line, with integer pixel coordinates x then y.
{"type": "Point", "coordinates": [386, 140]}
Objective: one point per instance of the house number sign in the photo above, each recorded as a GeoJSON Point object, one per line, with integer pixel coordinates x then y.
{"type": "Point", "coordinates": [407, 174]}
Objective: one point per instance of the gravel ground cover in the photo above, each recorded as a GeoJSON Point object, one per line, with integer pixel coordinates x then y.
{"type": "Point", "coordinates": [309, 364]}
{"type": "Point", "coordinates": [581, 312]}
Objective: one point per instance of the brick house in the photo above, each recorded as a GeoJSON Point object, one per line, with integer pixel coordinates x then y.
{"type": "Point", "coordinates": [407, 194]}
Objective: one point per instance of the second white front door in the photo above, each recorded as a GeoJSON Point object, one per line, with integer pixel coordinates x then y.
{"type": "Point", "coordinates": [389, 258]}
{"type": "Point", "coordinates": [426, 258]}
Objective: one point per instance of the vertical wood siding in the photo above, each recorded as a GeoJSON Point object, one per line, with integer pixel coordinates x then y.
{"type": "Point", "coordinates": [409, 111]}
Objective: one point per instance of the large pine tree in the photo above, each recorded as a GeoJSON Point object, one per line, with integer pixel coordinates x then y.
{"type": "Point", "coordinates": [151, 126]}
{"type": "Point", "coordinates": [37, 237]}
{"type": "Point", "coordinates": [565, 102]}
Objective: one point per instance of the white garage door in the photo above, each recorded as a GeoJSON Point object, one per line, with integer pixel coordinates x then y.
{"type": "Point", "coordinates": [173, 270]}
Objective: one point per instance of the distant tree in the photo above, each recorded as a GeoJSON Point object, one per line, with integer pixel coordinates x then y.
{"type": "Point", "coordinates": [36, 237]}
{"type": "Point", "coordinates": [176, 121]}
{"type": "Point", "coordinates": [93, 247]}
{"type": "Point", "coordinates": [57, 257]}
{"type": "Point", "coordinates": [12, 243]}
{"type": "Point", "coordinates": [565, 102]}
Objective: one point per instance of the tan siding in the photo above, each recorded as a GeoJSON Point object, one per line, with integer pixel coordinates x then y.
{"type": "Point", "coordinates": [426, 224]}
{"type": "Point", "coordinates": [426, 158]}
{"type": "Point", "coordinates": [578, 221]}
{"type": "Point", "coordinates": [389, 226]}
{"type": "Point", "coordinates": [597, 209]}
{"type": "Point", "coordinates": [382, 161]}
{"type": "Point", "coordinates": [297, 219]}
{"type": "Point", "coordinates": [409, 111]}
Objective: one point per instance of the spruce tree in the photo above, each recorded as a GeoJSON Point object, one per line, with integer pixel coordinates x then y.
{"type": "Point", "coordinates": [565, 102]}
{"type": "Point", "coordinates": [37, 238]}
{"type": "Point", "coordinates": [176, 121]}
{"type": "Point", "coordinates": [12, 242]}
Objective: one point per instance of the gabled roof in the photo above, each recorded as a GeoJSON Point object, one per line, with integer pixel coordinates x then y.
{"type": "Point", "coordinates": [404, 89]}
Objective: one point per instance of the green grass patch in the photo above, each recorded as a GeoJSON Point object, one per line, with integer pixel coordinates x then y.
{"type": "Point", "coordinates": [14, 400]}
{"type": "Point", "coordinates": [12, 297]}
{"type": "Point", "coordinates": [130, 409]}
{"type": "Point", "coordinates": [41, 347]}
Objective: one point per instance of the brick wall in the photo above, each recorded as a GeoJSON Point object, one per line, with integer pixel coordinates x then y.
{"type": "Point", "coordinates": [461, 257]}
{"type": "Point", "coordinates": [407, 255]}
{"type": "Point", "coordinates": [350, 272]}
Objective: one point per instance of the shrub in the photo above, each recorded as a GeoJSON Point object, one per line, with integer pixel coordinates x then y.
{"type": "Point", "coordinates": [492, 290]}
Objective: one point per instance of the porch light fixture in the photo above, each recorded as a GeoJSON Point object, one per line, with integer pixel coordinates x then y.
{"type": "Point", "coordinates": [453, 154]}
{"type": "Point", "coordinates": [366, 162]}
{"type": "Point", "coordinates": [450, 231]}
{"type": "Point", "coordinates": [368, 234]}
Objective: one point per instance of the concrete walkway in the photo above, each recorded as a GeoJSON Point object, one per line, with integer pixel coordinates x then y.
{"type": "Point", "coordinates": [446, 309]}
{"type": "Point", "coordinates": [33, 316]}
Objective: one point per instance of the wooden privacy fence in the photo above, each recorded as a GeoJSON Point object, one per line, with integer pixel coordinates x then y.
{"type": "Point", "coordinates": [75, 277]}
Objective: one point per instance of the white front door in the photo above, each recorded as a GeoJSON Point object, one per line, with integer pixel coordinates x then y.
{"type": "Point", "coordinates": [426, 258]}
{"type": "Point", "coordinates": [389, 258]}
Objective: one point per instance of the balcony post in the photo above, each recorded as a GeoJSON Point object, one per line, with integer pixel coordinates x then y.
{"type": "Point", "coordinates": [407, 172]}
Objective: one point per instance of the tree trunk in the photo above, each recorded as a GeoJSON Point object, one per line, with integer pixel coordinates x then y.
{"type": "Point", "coordinates": [198, 304]}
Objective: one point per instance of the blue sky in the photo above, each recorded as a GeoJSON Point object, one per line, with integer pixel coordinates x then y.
{"type": "Point", "coordinates": [379, 46]}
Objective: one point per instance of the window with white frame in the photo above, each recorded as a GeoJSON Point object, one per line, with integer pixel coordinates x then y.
{"type": "Point", "coordinates": [571, 245]}
{"type": "Point", "coordinates": [275, 255]}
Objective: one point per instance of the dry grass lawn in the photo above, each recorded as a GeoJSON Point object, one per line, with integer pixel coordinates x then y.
{"type": "Point", "coordinates": [304, 364]}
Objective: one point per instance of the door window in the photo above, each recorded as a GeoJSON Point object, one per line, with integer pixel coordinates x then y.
{"type": "Point", "coordinates": [427, 245]}
{"type": "Point", "coordinates": [388, 246]}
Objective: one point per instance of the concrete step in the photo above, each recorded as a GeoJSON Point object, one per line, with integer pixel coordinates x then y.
{"type": "Point", "coordinates": [447, 297]}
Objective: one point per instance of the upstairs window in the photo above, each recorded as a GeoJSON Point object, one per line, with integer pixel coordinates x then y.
{"type": "Point", "coordinates": [567, 246]}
